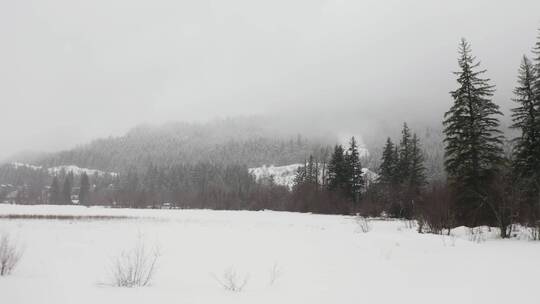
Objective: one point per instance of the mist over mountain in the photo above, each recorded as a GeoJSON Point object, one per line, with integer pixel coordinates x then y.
{"type": "Point", "coordinates": [252, 141]}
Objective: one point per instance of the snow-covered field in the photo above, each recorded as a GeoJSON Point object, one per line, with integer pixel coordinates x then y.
{"type": "Point", "coordinates": [313, 259]}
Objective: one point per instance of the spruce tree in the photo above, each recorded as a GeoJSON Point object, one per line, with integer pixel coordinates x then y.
{"type": "Point", "coordinates": [472, 140]}
{"type": "Point", "coordinates": [525, 118]}
{"type": "Point", "coordinates": [417, 171]}
{"type": "Point", "coordinates": [355, 180]}
{"type": "Point", "coordinates": [55, 196]}
{"type": "Point", "coordinates": [300, 177]}
{"type": "Point", "coordinates": [536, 51]}
{"type": "Point", "coordinates": [337, 170]}
{"type": "Point", "coordinates": [66, 190]}
{"type": "Point", "coordinates": [404, 162]}
{"type": "Point", "coordinates": [387, 169]}
{"type": "Point", "coordinates": [84, 190]}
{"type": "Point", "coordinates": [312, 172]}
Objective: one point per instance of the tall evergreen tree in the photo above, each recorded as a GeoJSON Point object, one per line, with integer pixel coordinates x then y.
{"type": "Point", "coordinates": [526, 117]}
{"type": "Point", "coordinates": [312, 172]}
{"type": "Point", "coordinates": [536, 51]}
{"type": "Point", "coordinates": [354, 170]}
{"type": "Point", "coordinates": [300, 177]}
{"type": "Point", "coordinates": [55, 196]}
{"type": "Point", "coordinates": [472, 140]}
{"type": "Point", "coordinates": [84, 190]}
{"type": "Point", "coordinates": [404, 162]}
{"type": "Point", "coordinates": [389, 161]}
{"type": "Point", "coordinates": [337, 170]}
{"type": "Point", "coordinates": [417, 170]}
{"type": "Point", "coordinates": [66, 189]}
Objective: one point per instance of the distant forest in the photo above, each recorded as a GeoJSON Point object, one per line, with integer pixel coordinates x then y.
{"type": "Point", "coordinates": [230, 141]}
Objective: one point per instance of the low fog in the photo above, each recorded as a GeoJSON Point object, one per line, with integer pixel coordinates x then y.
{"type": "Point", "coordinates": [72, 71]}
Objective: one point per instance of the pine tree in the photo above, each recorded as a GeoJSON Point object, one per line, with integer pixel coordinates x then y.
{"type": "Point", "coordinates": [84, 190]}
{"type": "Point", "coordinates": [536, 51]}
{"type": "Point", "coordinates": [66, 190]}
{"type": "Point", "coordinates": [337, 170]}
{"type": "Point", "coordinates": [300, 177]}
{"type": "Point", "coordinates": [55, 197]}
{"type": "Point", "coordinates": [307, 175]}
{"type": "Point", "coordinates": [312, 172]}
{"type": "Point", "coordinates": [387, 169]}
{"type": "Point", "coordinates": [525, 118]}
{"type": "Point", "coordinates": [472, 140]}
{"type": "Point", "coordinates": [355, 180]}
{"type": "Point", "coordinates": [404, 161]}
{"type": "Point", "coordinates": [417, 171]}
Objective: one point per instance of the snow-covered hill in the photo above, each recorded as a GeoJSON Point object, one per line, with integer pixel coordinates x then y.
{"type": "Point", "coordinates": [78, 171]}
{"type": "Point", "coordinates": [65, 168]}
{"type": "Point", "coordinates": [284, 175]}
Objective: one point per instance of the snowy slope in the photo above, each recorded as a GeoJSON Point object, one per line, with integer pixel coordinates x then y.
{"type": "Point", "coordinates": [17, 165]}
{"type": "Point", "coordinates": [284, 175]}
{"type": "Point", "coordinates": [320, 259]}
{"type": "Point", "coordinates": [78, 171]}
{"type": "Point", "coordinates": [66, 168]}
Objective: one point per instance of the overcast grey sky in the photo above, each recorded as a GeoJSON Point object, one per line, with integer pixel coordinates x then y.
{"type": "Point", "coordinates": [73, 70]}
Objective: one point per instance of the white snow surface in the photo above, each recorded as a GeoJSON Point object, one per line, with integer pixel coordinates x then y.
{"type": "Point", "coordinates": [320, 258]}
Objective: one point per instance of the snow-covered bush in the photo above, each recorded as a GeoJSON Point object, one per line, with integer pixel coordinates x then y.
{"type": "Point", "coordinates": [10, 254]}
{"type": "Point", "coordinates": [364, 224]}
{"type": "Point", "coordinates": [232, 281]}
{"type": "Point", "coordinates": [135, 267]}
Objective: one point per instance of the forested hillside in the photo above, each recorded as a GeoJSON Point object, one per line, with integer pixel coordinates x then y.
{"type": "Point", "coordinates": [247, 141]}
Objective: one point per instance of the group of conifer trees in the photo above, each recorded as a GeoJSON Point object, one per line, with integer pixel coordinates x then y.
{"type": "Point", "coordinates": [330, 186]}
{"type": "Point", "coordinates": [401, 175]}
{"type": "Point", "coordinates": [485, 184]}
{"type": "Point", "coordinates": [489, 186]}
{"type": "Point", "coordinates": [62, 195]}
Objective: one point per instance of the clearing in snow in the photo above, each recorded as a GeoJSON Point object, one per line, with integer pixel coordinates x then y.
{"type": "Point", "coordinates": [282, 258]}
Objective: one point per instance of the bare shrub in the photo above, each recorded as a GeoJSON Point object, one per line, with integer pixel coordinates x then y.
{"type": "Point", "coordinates": [232, 281]}
{"type": "Point", "coordinates": [477, 235]}
{"type": "Point", "coordinates": [10, 254]}
{"type": "Point", "coordinates": [364, 223]}
{"type": "Point", "coordinates": [275, 274]}
{"type": "Point", "coordinates": [135, 267]}
{"type": "Point", "coordinates": [408, 224]}
{"type": "Point", "coordinates": [533, 233]}
{"type": "Point", "coordinates": [434, 211]}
